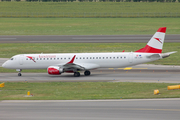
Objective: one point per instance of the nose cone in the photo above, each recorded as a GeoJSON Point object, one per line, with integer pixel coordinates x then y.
{"type": "Point", "coordinates": [4, 65]}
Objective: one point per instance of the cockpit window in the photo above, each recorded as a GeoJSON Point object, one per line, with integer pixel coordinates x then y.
{"type": "Point", "coordinates": [12, 59]}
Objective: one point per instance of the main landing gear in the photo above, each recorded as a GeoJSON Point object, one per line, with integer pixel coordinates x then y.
{"type": "Point", "coordinates": [76, 74]}
{"type": "Point", "coordinates": [86, 73]}
{"type": "Point", "coordinates": [19, 70]}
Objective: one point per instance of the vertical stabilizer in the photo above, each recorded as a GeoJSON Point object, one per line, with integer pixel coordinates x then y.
{"type": "Point", "coordinates": [155, 44]}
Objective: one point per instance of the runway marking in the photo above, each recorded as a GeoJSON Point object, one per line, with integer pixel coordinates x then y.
{"type": "Point", "coordinates": [111, 68]}
{"type": "Point", "coordinates": [128, 68]}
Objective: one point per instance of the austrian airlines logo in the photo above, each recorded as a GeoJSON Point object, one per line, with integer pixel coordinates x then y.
{"type": "Point", "coordinates": [158, 39]}
{"type": "Point", "coordinates": [32, 58]}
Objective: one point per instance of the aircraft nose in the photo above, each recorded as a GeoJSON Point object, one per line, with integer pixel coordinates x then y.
{"type": "Point", "coordinates": [4, 65]}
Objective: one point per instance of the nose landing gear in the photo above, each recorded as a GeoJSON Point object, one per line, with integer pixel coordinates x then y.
{"type": "Point", "coordinates": [19, 70]}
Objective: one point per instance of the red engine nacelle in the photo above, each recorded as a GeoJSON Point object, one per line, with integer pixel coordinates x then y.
{"type": "Point", "coordinates": [54, 70]}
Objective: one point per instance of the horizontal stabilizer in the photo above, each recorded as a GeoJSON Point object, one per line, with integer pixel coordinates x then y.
{"type": "Point", "coordinates": [164, 55]}
{"type": "Point", "coordinates": [158, 56]}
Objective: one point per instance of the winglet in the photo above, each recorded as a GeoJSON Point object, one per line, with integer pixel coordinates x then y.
{"type": "Point", "coordinates": [72, 60]}
{"type": "Point", "coordinates": [123, 51]}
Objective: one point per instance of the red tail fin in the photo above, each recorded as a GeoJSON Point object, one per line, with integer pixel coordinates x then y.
{"type": "Point", "coordinates": [155, 44]}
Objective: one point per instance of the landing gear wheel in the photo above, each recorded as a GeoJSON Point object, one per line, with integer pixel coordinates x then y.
{"type": "Point", "coordinates": [76, 74]}
{"type": "Point", "coordinates": [87, 72]}
{"type": "Point", "coordinates": [19, 74]}
{"type": "Point", "coordinates": [19, 70]}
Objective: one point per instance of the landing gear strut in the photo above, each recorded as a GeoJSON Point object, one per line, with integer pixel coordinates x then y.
{"type": "Point", "coordinates": [19, 70]}
{"type": "Point", "coordinates": [87, 72]}
{"type": "Point", "coordinates": [76, 74]}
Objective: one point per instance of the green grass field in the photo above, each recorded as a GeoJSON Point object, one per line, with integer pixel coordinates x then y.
{"type": "Point", "coordinates": [87, 26]}
{"type": "Point", "coordinates": [89, 7]}
{"type": "Point", "coordinates": [85, 90]}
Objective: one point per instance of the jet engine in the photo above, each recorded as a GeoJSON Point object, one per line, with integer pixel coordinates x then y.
{"type": "Point", "coordinates": [55, 70]}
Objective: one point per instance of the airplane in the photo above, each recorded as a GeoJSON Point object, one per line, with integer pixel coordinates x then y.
{"type": "Point", "coordinates": [57, 63]}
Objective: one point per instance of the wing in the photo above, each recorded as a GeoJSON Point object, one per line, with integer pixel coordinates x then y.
{"type": "Point", "coordinates": [73, 67]}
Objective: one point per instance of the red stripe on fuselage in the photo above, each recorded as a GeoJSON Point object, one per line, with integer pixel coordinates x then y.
{"type": "Point", "coordinates": [148, 49]}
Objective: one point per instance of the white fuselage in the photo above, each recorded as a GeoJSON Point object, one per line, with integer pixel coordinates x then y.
{"type": "Point", "coordinates": [101, 60]}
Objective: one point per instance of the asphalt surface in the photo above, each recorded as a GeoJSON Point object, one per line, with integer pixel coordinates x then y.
{"type": "Point", "coordinates": [84, 39]}
{"type": "Point", "coordinates": [150, 76]}
{"type": "Point", "coordinates": [142, 109]}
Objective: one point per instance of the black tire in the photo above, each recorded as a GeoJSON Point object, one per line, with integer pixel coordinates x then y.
{"type": "Point", "coordinates": [19, 74]}
{"type": "Point", "coordinates": [87, 72]}
{"type": "Point", "coordinates": [76, 74]}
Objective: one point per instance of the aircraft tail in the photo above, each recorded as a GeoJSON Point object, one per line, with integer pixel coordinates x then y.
{"type": "Point", "coordinates": [155, 44]}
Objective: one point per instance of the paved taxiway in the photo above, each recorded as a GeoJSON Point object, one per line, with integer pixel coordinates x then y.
{"type": "Point", "coordinates": [83, 39]}
{"type": "Point", "coordinates": [142, 109]}
{"type": "Point", "coordinates": [136, 74]}
{"type": "Point", "coordinates": [97, 76]}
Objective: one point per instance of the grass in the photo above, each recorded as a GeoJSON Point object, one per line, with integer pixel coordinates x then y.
{"type": "Point", "coordinates": [85, 90]}
{"type": "Point", "coordinates": [87, 26]}
{"type": "Point", "coordinates": [77, 7]}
